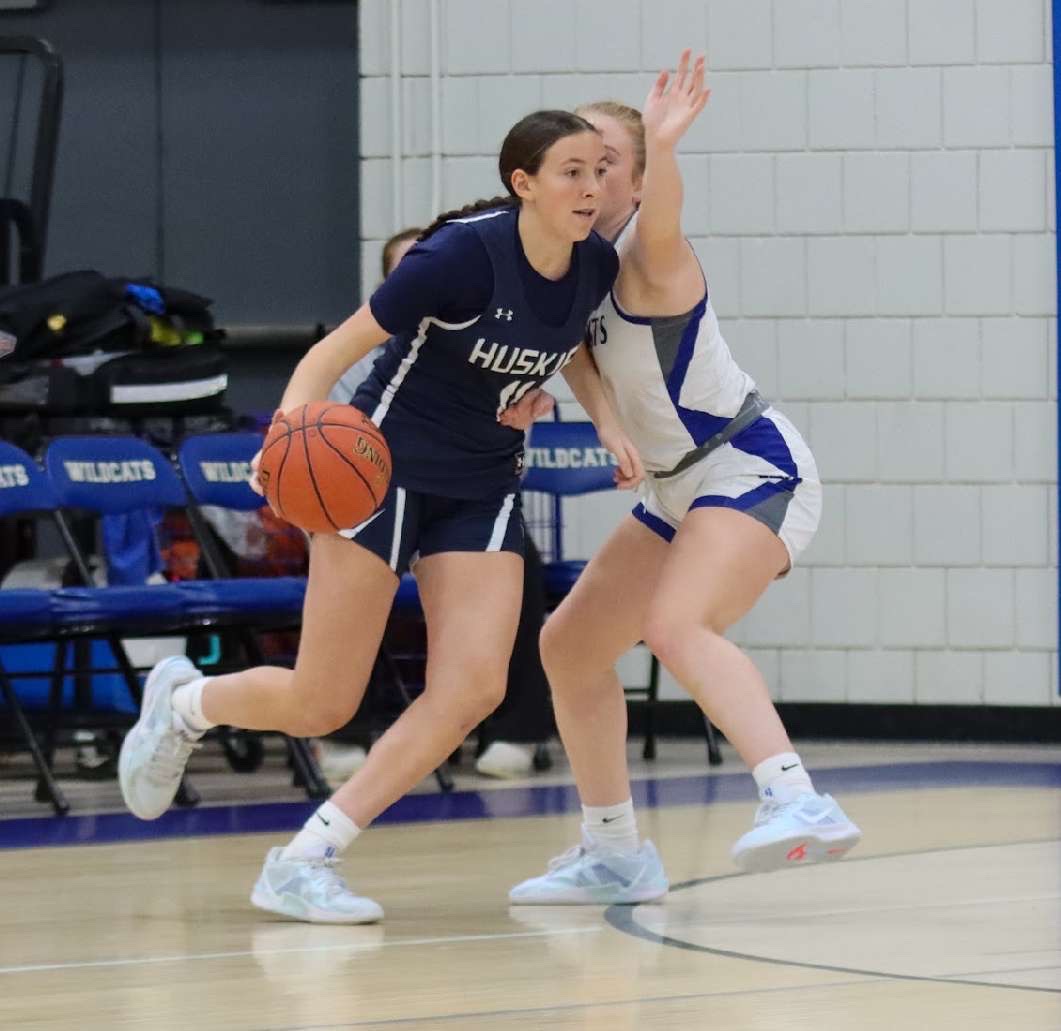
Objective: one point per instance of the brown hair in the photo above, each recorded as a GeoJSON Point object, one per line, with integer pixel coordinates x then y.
{"type": "Point", "coordinates": [630, 119]}
{"type": "Point", "coordinates": [386, 260]}
{"type": "Point", "coordinates": [524, 147]}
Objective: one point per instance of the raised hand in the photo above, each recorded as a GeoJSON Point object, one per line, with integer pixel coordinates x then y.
{"type": "Point", "coordinates": [672, 105]}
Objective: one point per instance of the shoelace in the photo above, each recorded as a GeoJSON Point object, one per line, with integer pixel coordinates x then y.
{"type": "Point", "coordinates": [324, 873]}
{"type": "Point", "coordinates": [771, 807]}
{"type": "Point", "coordinates": [572, 855]}
{"type": "Point", "coordinates": [168, 760]}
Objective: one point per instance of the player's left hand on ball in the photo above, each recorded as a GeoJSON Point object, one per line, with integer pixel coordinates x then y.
{"type": "Point", "coordinates": [527, 410]}
{"type": "Point", "coordinates": [253, 482]}
{"type": "Point", "coordinates": [630, 471]}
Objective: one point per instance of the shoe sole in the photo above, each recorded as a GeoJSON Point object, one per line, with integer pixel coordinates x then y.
{"type": "Point", "coordinates": [556, 900]}
{"type": "Point", "coordinates": [795, 850]}
{"type": "Point", "coordinates": [269, 903]}
{"type": "Point", "coordinates": [125, 754]}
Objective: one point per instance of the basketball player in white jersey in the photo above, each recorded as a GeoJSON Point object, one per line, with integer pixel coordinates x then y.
{"type": "Point", "coordinates": [731, 499]}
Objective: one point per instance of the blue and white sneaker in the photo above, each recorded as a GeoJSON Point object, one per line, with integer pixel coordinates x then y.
{"type": "Point", "coordinates": [590, 875]}
{"type": "Point", "coordinates": [312, 890]}
{"type": "Point", "coordinates": [156, 750]}
{"type": "Point", "coordinates": [809, 828]}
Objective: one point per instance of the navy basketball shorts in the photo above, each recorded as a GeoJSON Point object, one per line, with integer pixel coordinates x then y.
{"type": "Point", "coordinates": [411, 525]}
{"type": "Point", "coordinates": [766, 471]}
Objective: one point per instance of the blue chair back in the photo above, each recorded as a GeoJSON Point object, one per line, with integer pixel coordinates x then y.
{"type": "Point", "coordinates": [217, 466]}
{"type": "Point", "coordinates": [108, 475]}
{"type": "Point", "coordinates": [566, 458]}
{"type": "Point", "coordinates": [23, 487]}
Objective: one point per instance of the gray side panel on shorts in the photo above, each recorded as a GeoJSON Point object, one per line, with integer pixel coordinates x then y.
{"type": "Point", "coordinates": [772, 511]}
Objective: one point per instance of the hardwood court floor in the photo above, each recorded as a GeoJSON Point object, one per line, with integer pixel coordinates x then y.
{"type": "Point", "coordinates": [947, 915]}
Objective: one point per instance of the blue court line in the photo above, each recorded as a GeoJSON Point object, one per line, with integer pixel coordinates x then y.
{"type": "Point", "coordinates": [504, 803]}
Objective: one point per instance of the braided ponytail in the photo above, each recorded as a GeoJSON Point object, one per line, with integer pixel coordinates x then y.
{"type": "Point", "coordinates": [468, 209]}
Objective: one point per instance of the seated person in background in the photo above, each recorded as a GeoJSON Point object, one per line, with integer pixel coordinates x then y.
{"type": "Point", "coordinates": [512, 735]}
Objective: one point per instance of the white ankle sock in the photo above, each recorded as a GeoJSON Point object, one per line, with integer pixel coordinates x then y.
{"type": "Point", "coordinates": [782, 777]}
{"type": "Point", "coordinates": [327, 832]}
{"type": "Point", "coordinates": [613, 826]}
{"type": "Point", "coordinates": [188, 705]}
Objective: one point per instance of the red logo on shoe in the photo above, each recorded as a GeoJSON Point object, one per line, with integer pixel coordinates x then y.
{"type": "Point", "coordinates": [836, 851]}
{"type": "Point", "coordinates": [796, 854]}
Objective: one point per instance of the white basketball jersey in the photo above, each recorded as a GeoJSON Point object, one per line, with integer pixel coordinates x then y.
{"type": "Point", "coordinates": [671, 379]}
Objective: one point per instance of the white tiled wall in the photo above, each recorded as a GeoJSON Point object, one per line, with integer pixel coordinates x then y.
{"type": "Point", "coordinates": [871, 193]}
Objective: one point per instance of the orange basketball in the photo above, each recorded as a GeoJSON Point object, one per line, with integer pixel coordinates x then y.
{"type": "Point", "coordinates": [324, 467]}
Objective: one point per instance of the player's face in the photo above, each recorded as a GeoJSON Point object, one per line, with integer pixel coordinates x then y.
{"type": "Point", "coordinates": [621, 185]}
{"type": "Point", "coordinates": [566, 190]}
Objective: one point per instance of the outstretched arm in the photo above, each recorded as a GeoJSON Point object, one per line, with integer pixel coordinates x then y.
{"type": "Point", "coordinates": [659, 249]}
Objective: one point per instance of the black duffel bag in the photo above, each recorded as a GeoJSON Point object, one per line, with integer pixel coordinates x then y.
{"type": "Point", "coordinates": [83, 342]}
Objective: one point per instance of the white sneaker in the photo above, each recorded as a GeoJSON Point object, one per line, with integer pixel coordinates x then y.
{"type": "Point", "coordinates": [589, 875]}
{"type": "Point", "coordinates": [505, 760]}
{"type": "Point", "coordinates": [312, 890]}
{"type": "Point", "coordinates": [155, 752]}
{"type": "Point", "coordinates": [808, 829]}
{"type": "Point", "coordinates": [338, 762]}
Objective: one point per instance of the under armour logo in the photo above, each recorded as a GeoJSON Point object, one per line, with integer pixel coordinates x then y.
{"type": "Point", "coordinates": [503, 313]}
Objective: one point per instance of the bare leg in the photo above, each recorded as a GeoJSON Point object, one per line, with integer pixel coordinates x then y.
{"type": "Point", "coordinates": [471, 604]}
{"type": "Point", "coordinates": [348, 600]}
{"type": "Point", "coordinates": [599, 621]}
{"type": "Point", "coordinates": [719, 564]}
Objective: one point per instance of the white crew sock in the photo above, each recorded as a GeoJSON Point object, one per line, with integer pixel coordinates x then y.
{"type": "Point", "coordinates": [612, 826]}
{"type": "Point", "coordinates": [782, 777]}
{"type": "Point", "coordinates": [187, 703]}
{"type": "Point", "coordinates": [326, 833]}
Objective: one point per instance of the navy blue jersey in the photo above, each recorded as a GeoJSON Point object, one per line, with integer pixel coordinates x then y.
{"type": "Point", "coordinates": [470, 341]}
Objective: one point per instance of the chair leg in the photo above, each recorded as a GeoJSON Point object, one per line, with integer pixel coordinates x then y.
{"type": "Point", "coordinates": [714, 753]}
{"type": "Point", "coordinates": [55, 715]}
{"type": "Point", "coordinates": [307, 772]}
{"type": "Point", "coordinates": [649, 751]}
{"type": "Point", "coordinates": [47, 781]}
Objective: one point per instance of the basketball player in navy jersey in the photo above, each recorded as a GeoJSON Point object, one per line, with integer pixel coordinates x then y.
{"type": "Point", "coordinates": [731, 499]}
{"type": "Point", "coordinates": [492, 301]}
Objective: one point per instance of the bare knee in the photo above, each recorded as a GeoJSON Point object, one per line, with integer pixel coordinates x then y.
{"type": "Point", "coordinates": [468, 692]}
{"type": "Point", "coordinates": [669, 637]}
{"type": "Point", "coordinates": [317, 712]}
{"type": "Point", "coordinates": [558, 647]}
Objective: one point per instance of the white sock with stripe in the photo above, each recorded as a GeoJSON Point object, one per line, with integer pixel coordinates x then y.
{"type": "Point", "coordinates": [328, 832]}
{"type": "Point", "coordinates": [782, 777]}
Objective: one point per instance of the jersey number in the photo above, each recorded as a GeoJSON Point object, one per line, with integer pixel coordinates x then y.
{"type": "Point", "coordinates": [512, 392]}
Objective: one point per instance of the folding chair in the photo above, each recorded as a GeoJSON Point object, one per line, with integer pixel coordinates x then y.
{"type": "Point", "coordinates": [66, 616]}
{"type": "Point", "coordinates": [31, 75]}
{"type": "Point", "coordinates": [102, 475]}
{"type": "Point", "coordinates": [566, 459]}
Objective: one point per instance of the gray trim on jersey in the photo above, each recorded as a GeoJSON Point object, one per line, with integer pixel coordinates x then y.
{"type": "Point", "coordinates": [667, 336]}
{"type": "Point", "coordinates": [754, 406]}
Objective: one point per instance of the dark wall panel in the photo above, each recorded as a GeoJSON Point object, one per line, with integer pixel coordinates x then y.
{"type": "Point", "coordinates": [260, 191]}
{"type": "Point", "coordinates": [105, 198]}
{"type": "Point", "coordinates": [212, 143]}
